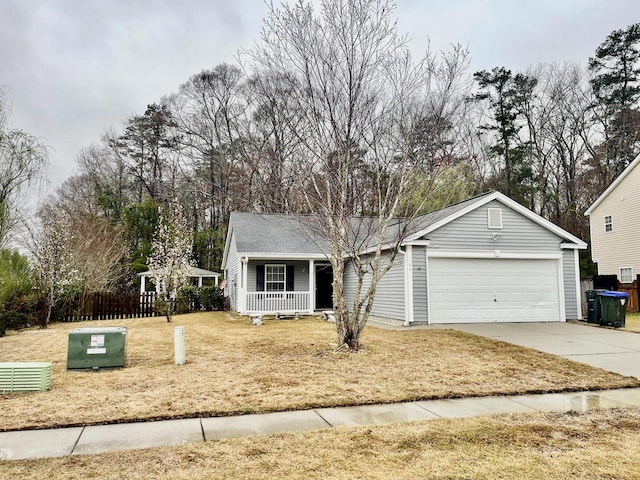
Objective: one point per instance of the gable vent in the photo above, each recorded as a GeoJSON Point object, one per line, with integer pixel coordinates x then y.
{"type": "Point", "coordinates": [494, 218]}
{"type": "Point", "coordinates": [25, 377]}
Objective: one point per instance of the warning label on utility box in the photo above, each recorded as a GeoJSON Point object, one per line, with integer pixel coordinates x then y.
{"type": "Point", "coordinates": [96, 351]}
{"type": "Point", "coordinates": [97, 340]}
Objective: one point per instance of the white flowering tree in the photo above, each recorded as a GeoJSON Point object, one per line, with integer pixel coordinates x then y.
{"type": "Point", "coordinates": [170, 259]}
{"type": "Point", "coordinates": [52, 261]}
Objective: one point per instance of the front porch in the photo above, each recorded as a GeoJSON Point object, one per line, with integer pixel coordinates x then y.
{"type": "Point", "coordinates": [284, 286]}
{"type": "Point", "coordinates": [278, 302]}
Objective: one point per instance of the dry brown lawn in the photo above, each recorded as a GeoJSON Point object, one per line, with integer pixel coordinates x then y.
{"type": "Point", "coordinates": [596, 445]}
{"type": "Point", "coordinates": [632, 322]}
{"type": "Point", "coordinates": [234, 368]}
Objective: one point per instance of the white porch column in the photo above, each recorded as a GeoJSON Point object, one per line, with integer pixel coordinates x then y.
{"type": "Point", "coordinates": [199, 281]}
{"type": "Point", "coordinates": [143, 283]}
{"type": "Point", "coordinates": [312, 286]}
{"type": "Point", "coordinates": [242, 291]}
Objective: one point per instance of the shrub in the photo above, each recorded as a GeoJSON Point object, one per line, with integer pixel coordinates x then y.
{"type": "Point", "coordinates": [187, 296]}
{"type": "Point", "coordinates": [12, 320]}
{"type": "Point", "coordinates": [211, 298]}
{"type": "Point", "coordinates": [15, 277]}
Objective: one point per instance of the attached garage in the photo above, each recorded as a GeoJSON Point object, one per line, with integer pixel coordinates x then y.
{"type": "Point", "coordinates": [486, 259]}
{"type": "Point", "coordinates": [470, 290]}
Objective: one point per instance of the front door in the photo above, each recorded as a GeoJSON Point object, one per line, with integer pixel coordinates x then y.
{"type": "Point", "coordinates": [324, 287]}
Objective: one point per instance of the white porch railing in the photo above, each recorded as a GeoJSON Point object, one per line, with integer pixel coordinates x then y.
{"type": "Point", "coordinates": [278, 302]}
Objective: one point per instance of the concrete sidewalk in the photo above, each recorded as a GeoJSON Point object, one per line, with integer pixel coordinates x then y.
{"type": "Point", "coordinates": [612, 350]}
{"type": "Point", "coordinates": [104, 438]}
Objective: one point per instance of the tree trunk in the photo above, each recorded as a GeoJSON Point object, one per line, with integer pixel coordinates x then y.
{"type": "Point", "coordinates": [347, 325]}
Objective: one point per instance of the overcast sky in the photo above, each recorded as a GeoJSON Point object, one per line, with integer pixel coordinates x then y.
{"type": "Point", "coordinates": [77, 67]}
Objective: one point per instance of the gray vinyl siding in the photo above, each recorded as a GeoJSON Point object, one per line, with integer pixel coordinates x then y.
{"type": "Point", "coordinates": [232, 274]}
{"type": "Point", "coordinates": [300, 270]}
{"type": "Point", "coordinates": [419, 284]}
{"type": "Point", "coordinates": [389, 299]}
{"type": "Point", "coordinates": [569, 278]}
{"type": "Point", "coordinates": [470, 233]}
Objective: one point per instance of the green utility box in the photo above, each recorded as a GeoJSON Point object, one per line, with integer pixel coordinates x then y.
{"type": "Point", "coordinates": [97, 347]}
{"type": "Point", "coordinates": [593, 306]}
{"type": "Point", "coordinates": [614, 308]}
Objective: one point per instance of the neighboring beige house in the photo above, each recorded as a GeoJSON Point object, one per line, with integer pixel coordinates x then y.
{"type": "Point", "coordinates": [614, 221]}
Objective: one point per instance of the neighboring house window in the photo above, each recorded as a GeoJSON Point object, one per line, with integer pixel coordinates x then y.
{"type": "Point", "coordinates": [275, 278]}
{"type": "Point", "coordinates": [626, 275]}
{"type": "Point", "coordinates": [608, 223]}
{"type": "Point", "coordinates": [494, 218]}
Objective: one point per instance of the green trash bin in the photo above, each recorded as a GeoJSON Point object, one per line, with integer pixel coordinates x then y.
{"type": "Point", "coordinates": [593, 306]}
{"type": "Point", "coordinates": [613, 306]}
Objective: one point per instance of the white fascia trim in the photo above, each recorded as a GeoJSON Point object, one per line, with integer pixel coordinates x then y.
{"type": "Point", "coordinates": [613, 185]}
{"type": "Point", "coordinates": [389, 246]}
{"type": "Point", "coordinates": [417, 243]}
{"type": "Point", "coordinates": [510, 203]}
{"type": "Point", "coordinates": [383, 247]}
{"type": "Point", "coordinates": [494, 254]}
{"type": "Point", "coordinates": [282, 256]}
{"type": "Point", "coordinates": [572, 246]}
{"type": "Point", "coordinates": [227, 244]}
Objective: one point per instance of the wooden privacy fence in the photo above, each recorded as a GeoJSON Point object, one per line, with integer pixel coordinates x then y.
{"type": "Point", "coordinates": [110, 306]}
{"type": "Point", "coordinates": [632, 290]}
{"type": "Point", "coordinates": [113, 306]}
{"type": "Point", "coordinates": [633, 304]}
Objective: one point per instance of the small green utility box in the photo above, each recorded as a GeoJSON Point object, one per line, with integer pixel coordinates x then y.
{"type": "Point", "coordinates": [96, 347]}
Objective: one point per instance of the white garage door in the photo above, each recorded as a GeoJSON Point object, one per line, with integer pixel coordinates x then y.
{"type": "Point", "coordinates": [464, 290]}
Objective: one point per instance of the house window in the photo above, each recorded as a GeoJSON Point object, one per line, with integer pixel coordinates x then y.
{"type": "Point", "coordinates": [608, 223]}
{"type": "Point", "coordinates": [494, 218]}
{"type": "Point", "coordinates": [275, 278]}
{"type": "Point", "coordinates": [626, 275]}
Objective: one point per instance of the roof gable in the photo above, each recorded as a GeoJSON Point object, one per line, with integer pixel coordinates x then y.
{"type": "Point", "coordinates": [449, 214]}
{"type": "Point", "coordinates": [613, 185]}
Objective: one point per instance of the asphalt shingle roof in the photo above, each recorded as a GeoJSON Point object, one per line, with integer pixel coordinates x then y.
{"type": "Point", "coordinates": [273, 233]}
{"type": "Point", "coordinates": [287, 234]}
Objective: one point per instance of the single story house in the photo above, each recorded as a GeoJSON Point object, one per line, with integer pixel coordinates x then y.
{"type": "Point", "coordinates": [487, 259]}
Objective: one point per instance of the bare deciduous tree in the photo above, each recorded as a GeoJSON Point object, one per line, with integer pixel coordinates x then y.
{"type": "Point", "coordinates": [23, 158]}
{"type": "Point", "coordinates": [358, 97]}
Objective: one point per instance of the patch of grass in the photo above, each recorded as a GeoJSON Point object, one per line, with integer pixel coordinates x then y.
{"type": "Point", "coordinates": [596, 445]}
{"type": "Point", "coordinates": [235, 368]}
{"type": "Point", "coordinates": [632, 322]}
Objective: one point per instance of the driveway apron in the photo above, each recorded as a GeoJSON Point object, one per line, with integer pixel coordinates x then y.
{"type": "Point", "coordinates": [613, 350]}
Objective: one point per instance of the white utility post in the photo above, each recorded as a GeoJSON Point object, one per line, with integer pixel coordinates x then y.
{"type": "Point", "coordinates": [178, 341]}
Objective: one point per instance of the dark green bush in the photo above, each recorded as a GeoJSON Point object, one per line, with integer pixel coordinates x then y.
{"type": "Point", "coordinates": [211, 298]}
{"type": "Point", "coordinates": [186, 297]}
{"type": "Point", "coordinates": [194, 299]}
{"type": "Point", "coordinates": [12, 320]}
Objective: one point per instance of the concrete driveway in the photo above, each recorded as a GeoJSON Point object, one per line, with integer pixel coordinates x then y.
{"type": "Point", "coordinates": [613, 350]}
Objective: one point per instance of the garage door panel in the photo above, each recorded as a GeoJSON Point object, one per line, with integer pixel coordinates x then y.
{"type": "Point", "coordinates": [493, 290]}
